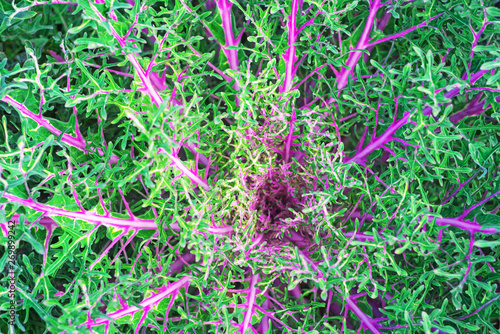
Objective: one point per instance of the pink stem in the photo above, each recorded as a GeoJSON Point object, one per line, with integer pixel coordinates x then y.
{"type": "Point", "coordinates": [78, 143]}
{"type": "Point", "coordinates": [146, 303]}
{"type": "Point", "coordinates": [362, 44]}
{"type": "Point", "coordinates": [289, 57]}
{"type": "Point", "coordinates": [366, 321]}
{"type": "Point", "coordinates": [402, 33]}
{"type": "Point", "coordinates": [250, 303]}
{"type": "Point", "coordinates": [90, 217]}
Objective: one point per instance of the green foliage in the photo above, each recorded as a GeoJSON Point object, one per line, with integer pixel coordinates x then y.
{"type": "Point", "coordinates": [158, 187]}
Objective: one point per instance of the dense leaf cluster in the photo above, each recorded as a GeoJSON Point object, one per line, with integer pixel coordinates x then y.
{"type": "Point", "coordinates": [249, 166]}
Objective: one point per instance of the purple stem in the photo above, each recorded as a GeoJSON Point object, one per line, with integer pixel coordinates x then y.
{"type": "Point", "coordinates": [382, 23]}
{"type": "Point", "coordinates": [440, 221]}
{"type": "Point", "coordinates": [289, 57]}
{"type": "Point", "coordinates": [107, 219]}
{"type": "Point", "coordinates": [186, 171]}
{"type": "Point", "coordinates": [289, 138]}
{"type": "Point", "coordinates": [149, 88]}
{"type": "Point", "coordinates": [376, 143]}
{"type": "Point", "coordinates": [460, 186]}
{"type": "Point", "coordinates": [403, 33]}
{"type": "Point", "coordinates": [178, 264]}
{"type": "Point", "coordinates": [473, 78]}
{"type": "Point", "coordinates": [475, 108]}
{"type": "Point", "coordinates": [105, 251]}
{"type": "Point", "coordinates": [225, 13]}
{"type": "Point", "coordinates": [90, 217]}
{"type": "Point", "coordinates": [361, 155]}
{"type": "Point", "coordinates": [251, 302]}
{"type": "Point", "coordinates": [366, 321]}
{"type": "Point", "coordinates": [146, 303]}
{"type": "Point", "coordinates": [78, 142]}
{"type": "Point", "coordinates": [224, 7]}
{"type": "Point", "coordinates": [362, 44]}
{"type": "Point", "coordinates": [477, 35]}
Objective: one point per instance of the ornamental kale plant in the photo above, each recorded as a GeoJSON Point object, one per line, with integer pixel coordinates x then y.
{"type": "Point", "coordinates": [242, 166]}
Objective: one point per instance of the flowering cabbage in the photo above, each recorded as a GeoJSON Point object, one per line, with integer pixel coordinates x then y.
{"type": "Point", "coordinates": [246, 167]}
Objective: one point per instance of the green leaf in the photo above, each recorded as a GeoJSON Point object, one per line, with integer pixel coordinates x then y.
{"type": "Point", "coordinates": [493, 11]}
{"type": "Point", "coordinates": [493, 79]}
{"type": "Point", "coordinates": [24, 15]}
{"type": "Point", "coordinates": [82, 67]}
{"type": "Point", "coordinates": [79, 28]}
{"type": "Point", "coordinates": [490, 65]}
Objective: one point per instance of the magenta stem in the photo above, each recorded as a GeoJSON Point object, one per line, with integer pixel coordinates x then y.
{"type": "Point", "coordinates": [289, 57]}
{"type": "Point", "coordinates": [78, 143]}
